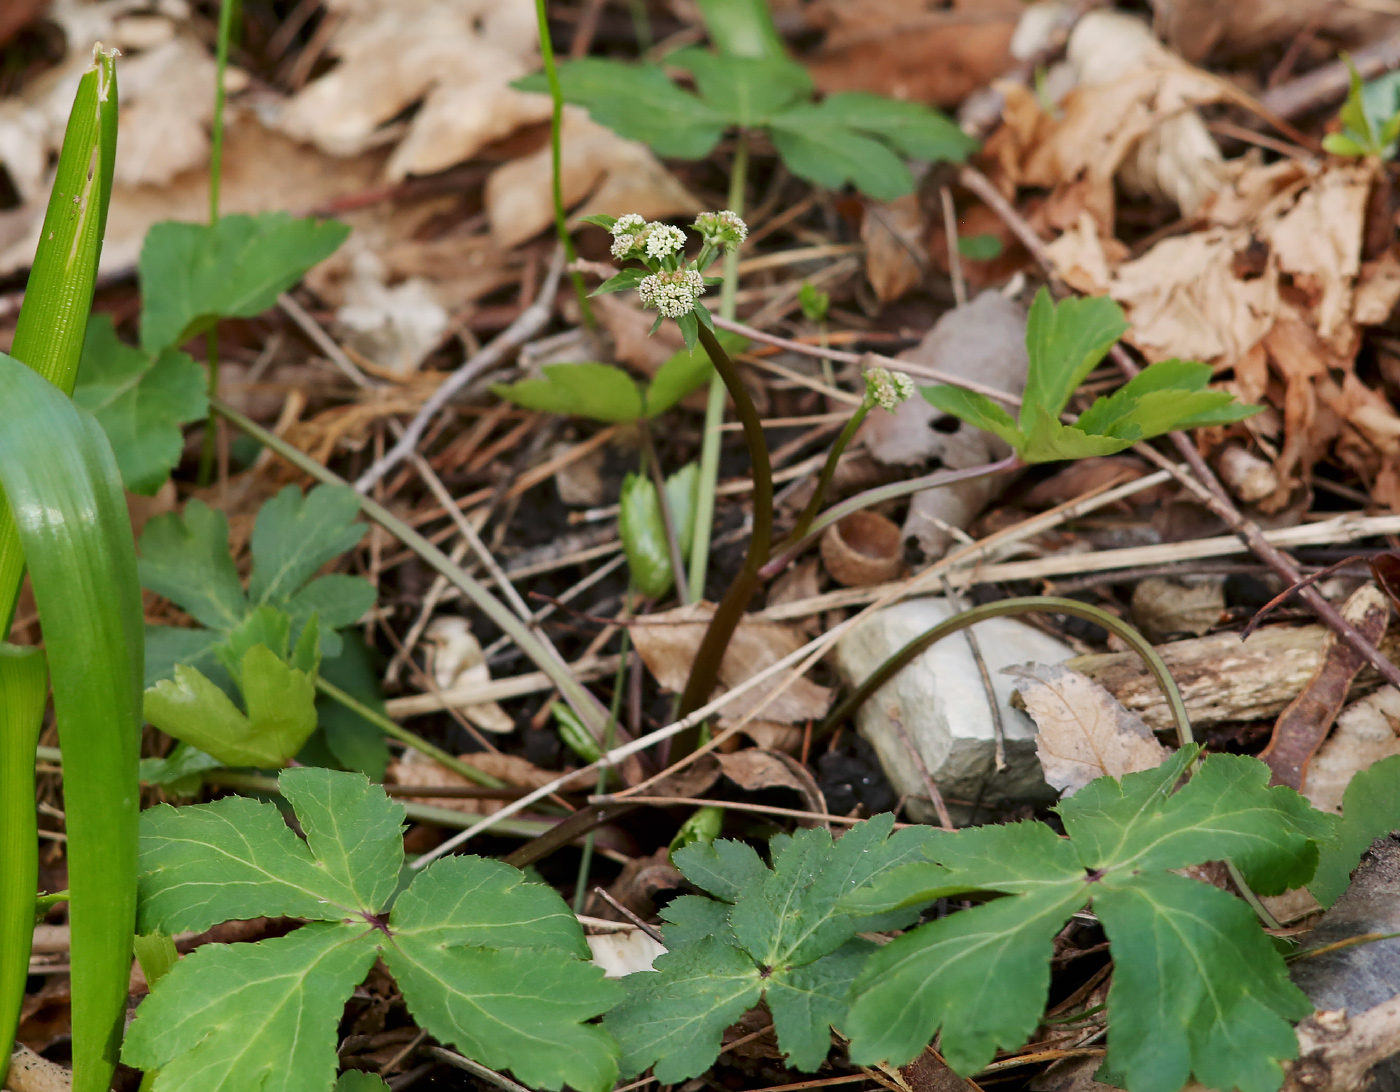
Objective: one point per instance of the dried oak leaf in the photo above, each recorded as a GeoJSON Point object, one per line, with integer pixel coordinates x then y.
{"type": "Point", "coordinates": [1083, 732]}
{"type": "Point", "coordinates": [754, 769]}
{"type": "Point", "coordinates": [668, 642]}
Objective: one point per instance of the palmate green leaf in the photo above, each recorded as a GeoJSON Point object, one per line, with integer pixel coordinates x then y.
{"type": "Point", "coordinates": [914, 129]}
{"type": "Point", "coordinates": [353, 742]}
{"type": "Point", "coordinates": [140, 400]}
{"type": "Point", "coordinates": [1370, 809]}
{"type": "Point", "coordinates": [61, 481]}
{"type": "Point", "coordinates": [819, 146]}
{"type": "Point", "coordinates": [1049, 440]}
{"type": "Point", "coordinates": [185, 558]}
{"type": "Point", "coordinates": [600, 391]}
{"type": "Point", "coordinates": [976, 409]}
{"type": "Point", "coordinates": [1064, 342]}
{"type": "Point", "coordinates": [487, 960]}
{"type": "Point", "coordinates": [192, 275]}
{"type": "Point", "coordinates": [1197, 988]}
{"type": "Point", "coordinates": [270, 1022]}
{"type": "Point", "coordinates": [685, 371]}
{"type": "Point", "coordinates": [776, 933]}
{"type": "Point", "coordinates": [357, 1080]}
{"type": "Point", "coordinates": [746, 91]}
{"type": "Point", "coordinates": [639, 102]}
{"type": "Point", "coordinates": [1187, 957]}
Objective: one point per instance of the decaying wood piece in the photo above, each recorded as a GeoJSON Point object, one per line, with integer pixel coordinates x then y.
{"type": "Point", "coordinates": [1223, 678]}
{"type": "Point", "coordinates": [1304, 724]}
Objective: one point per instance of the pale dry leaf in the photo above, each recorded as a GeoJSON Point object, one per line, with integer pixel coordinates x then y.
{"type": "Point", "coordinates": [893, 235]}
{"type": "Point", "coordinates": [624, 951]}
{"type": "Point", "coordinates": [30, 1072]}
{"type": "Point", "coordinates": [1165, 606]}
{"type": "Point", "coordinates": [1367, 731]}
{"type": "Point", "coordinates": [167, 96]}
{"type": "Point", "coordinates": [770, 736]}
{"type": "Point", "coordinates": [1377, 290]}
{"type": "Point", "coordinates": [394, 327]}
{"type": "Point", "coordinates": [1201, 28]}
{"type": "Point", "coordinates": [601, 173]}
{"type": "Point", "coordinates": [754, 769]}
{"type": "Point", "coordinates": [419, 771]}
{"type": "Point", "coordinates": [667, 643]}
{"type": "Point", "coordinates": [1083, 732]}
{"type": "Point", "coordinates": [630, 329]}
{"type": "Point", "coordinates": [455, 59]}
{"type": "Point", "coordinates": [457, 661]}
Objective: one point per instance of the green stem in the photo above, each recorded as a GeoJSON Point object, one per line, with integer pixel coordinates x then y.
{"type": "Point", "coordinates": [556, 158]}
{"type": "Point", "coordinates": [704, 673]}
{"type": "Point", "coordinates": [403, 735]}
{"type": "Point", "coordinates": [792, 545]}
{"type": "Point", "coordinates": [585, 864]}
{"type": "Point", "coordinates": [809, 513]}
{"type": "Point", "coordinates": [23, 692]}
{"type": "Point", "coordinates": [714, 409]}
{"type": "Point", "coordinates": [227, 11]}
{"type": "Point", "coordinates": [588, 708]}
{"type": "Point", "coordinates": [1033, 604]}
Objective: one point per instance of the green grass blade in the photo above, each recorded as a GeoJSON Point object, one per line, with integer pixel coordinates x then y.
{"type": "Point", "coordinates": [52, 322]}
{"type": "Point", "coordinates": [64, 489]}
{"type": "Point", "coordinates": [23, 690]}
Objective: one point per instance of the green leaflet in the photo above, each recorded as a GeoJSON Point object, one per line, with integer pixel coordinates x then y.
{"type": "Point", "coordinates": [62, 484]}
{"type": "Point", "coordinates": [849, 137]}
{"type": "Point", "coordinates": [1370, 809]}
{"type": "Point", "coordinates": [487, 961]}
{"type": "Point", "coordinates": [1064, 343]}
{"type": "Point", "coordinates": [192, 275]}
{"type": "Point", "coordinates": [356, 1080]}
{"type": "Point", "coordinates": [772, 933]}
{"type": "Point", "coordinates": [140, 399]}
{"type": "Point", "coordinates": [643, 529]}
{"type": "Point", "coordinates": [1370, 117]}
{"type": "Point", "coordinates": [1198, 987]}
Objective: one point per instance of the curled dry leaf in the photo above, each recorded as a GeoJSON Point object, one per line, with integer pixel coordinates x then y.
{"type": "Point", "coordinates": [457, 660]}
{"type": "Point", "coordinates": [1301, 728]}
{"type": "Point", "coordinates": [1083, 732]}
{"type": "Point", "coordinates": [607, 174]}
{"type": "Point", "coordinates": [667, 643]}
{"type": "Point", "coordinates": [863, 548]}
{"type": "Point", "coordinates": [754, 769]}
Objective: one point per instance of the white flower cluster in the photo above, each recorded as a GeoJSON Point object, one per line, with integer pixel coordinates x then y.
{"type": "Point", "coordinates": [887, 388]}
{"type": "Point", "coordinates": [626, 234]}
{"type": "Point", "coordinates": [671, 292]}
{"type": "Point", "coordinates": [663, 240]}
{"type": "Point", "coordinates": [722, 228]}
{"type": "Point", "coordinates": [633, 237]}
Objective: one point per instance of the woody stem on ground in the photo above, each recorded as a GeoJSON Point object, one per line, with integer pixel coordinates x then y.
{"type": "Point", "coordinates": [227, 10]}
{"type": "Point", "coordinates": [705, 671]}
{"type": "Point", "coordinates": [1206, 485]}
{"type": "Point", "coordinates": [714, 409]}
{"type": "Point", "coordinates": [556, 156]}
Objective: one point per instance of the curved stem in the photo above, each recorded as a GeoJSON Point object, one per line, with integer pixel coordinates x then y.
{"type": "Point", "coordinates": [790, 547]}
{"type": "Point", "coordinates": [705, 671]}
{"type": "Point", "coordinates": [580, 699]}
{"type": "Point", "coordinates": [1032, 604]}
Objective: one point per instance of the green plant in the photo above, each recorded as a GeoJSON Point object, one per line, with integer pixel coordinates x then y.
{"type": "Point", "coordinates": [1370, 810]}
{"type": "Point", "coordinates": [641, 524]}
{"type": "Point", "coordinates": [243, 645]}
{"type": "Point", "coordinates": [851, 137]}
{"type": "Point", "coordinates": [774, 934]}
{"type": "Point", "coordinates": [1198, 987]}
{"type": "Point", "coordinates": [63, 515]}
{"type": "Point", "coordinates": [1065, 342]}
{"type": "Point", "coordinates": [1370, 117]}
{"type": "Point", "coordinates": [486, 959]}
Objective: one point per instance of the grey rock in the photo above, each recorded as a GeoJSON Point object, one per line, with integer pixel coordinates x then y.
{"type": "Point", "coordinates": [941, 701]}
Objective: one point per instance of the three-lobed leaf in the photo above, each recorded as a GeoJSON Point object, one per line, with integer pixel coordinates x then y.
{"type": "Point", "coordinates": [1187, 957]}
{"type": "Point", "coordinates": [140, 399]}
{"type": "Point", "coordinates": [487, 961]}
{"type": "Point", "coordinates": [192, 275]}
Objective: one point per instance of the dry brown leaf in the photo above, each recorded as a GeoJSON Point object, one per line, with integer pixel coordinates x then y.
{"type": "Point", "coordinates": [668, 641]}
{"type": "Point", "coordinates": [902, 49]}
{"type": "Point", "coordinates": [420, 771]}
{"type": "Point", "coordinates": [167, 96]}
{"type": "Point", "coordinates": [1165, 606]}
{"type": "Point", "coordinates": [630, 329]}
{"type": "Point", "coordinates": [1377, 290]}
{"type": "Point", "coordinates": [456, 58]}
{"type": "Point", "coordinates": [1083, 732]}
{"type": "Point", "coordinates": [1201, 28]}
{"type": "Point", "coordinates": [1367, 731]}
{"type": "Point", "coordinates": [1301, 728]}
{"type": "Point", "coordinates": [755, 769]}
{"type": "Point", "coordinates": [602, 173]}
{"type": "Point", "coordinates": [893, 235]}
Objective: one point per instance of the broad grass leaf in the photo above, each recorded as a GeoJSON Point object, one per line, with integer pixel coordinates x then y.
{"type": "Point", "coordinates": [268, 1025]}
{"type": "Point", "coordinates": [1197, 988]}
{"type": "Point", "coordinates": [599, 391]}
{"type": "Point", "coordinates": [140, 400]}
{"type": "Point", "coordinates": [192, 275]}
{"type": "Point", "coordinates": [819, 146]}
{"type": "Point", "coordinates": [1370, 810]}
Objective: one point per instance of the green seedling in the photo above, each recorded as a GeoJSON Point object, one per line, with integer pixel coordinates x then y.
{"type": "Point", "coordinates": [979, 248]}
{"type": "Point", "coordinates": [1370, 117]}
{"type": "Point", "coordinates": [851, 137]}
{"type": "Point", "coordinates": [814, 302]}
{"type": "Point", "coordinates": [702, 828]}
{"type": "Point", "coordinates": [1198, 987]}
{"type": "Point", "coordinates": [487, 961]}
{"type": "Point", "coordinates": [641, 525]}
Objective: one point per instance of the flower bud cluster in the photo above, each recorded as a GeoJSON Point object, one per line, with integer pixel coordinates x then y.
{"type": "Point", "coordinates": [721, 228]}
{"type": "Point", "coordinates": [887, 389]}
{"type": "Point", "coordinates": [674, 286]}
{"type": "Point", "coordinates": [672, 292]}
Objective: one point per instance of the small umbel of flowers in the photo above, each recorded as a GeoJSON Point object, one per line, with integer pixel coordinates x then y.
{"type": "Point", "coordinates": [667, 283]}
{"type": "Point", "coordinates": [887, 389]}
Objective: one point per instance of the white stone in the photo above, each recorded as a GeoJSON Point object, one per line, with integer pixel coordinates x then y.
{"type": "Point", "coordinates": [941, 700]}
